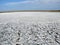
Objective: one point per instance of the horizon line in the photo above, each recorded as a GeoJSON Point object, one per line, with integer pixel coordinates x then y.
{"type": "Point", "coordinates": [30, 11]}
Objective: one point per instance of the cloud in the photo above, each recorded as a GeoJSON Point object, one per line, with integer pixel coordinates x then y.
{"type": "Point", "coordinates": [21, 2]}
{"type": "Point", "coordinates": [33, 2]}
{"type": "Point", "coordinates": [50, 1]}
{"type": "Point", "coordinates": [31, 5]}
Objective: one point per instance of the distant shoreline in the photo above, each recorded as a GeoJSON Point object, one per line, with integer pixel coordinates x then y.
{"type": "Point", "coordinates": [30, 11]}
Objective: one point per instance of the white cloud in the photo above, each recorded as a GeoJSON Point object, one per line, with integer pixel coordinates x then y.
{"type": "Point", "coordinates": [50, 1]}
{"type": "Point", "coordinates": [33, 2]}
{"type": "Point", "coordinates": [21, 2]}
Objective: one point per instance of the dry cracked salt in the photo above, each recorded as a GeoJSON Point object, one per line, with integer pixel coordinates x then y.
{"type": "Point", "coordinates": [29, 34]}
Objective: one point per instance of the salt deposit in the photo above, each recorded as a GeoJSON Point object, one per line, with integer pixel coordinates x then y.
{"type": "Point", "coordinates": [30, 28]}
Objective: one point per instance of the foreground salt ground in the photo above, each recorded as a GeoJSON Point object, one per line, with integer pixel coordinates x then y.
{"type": "Point", "coordinates": [29, 30]}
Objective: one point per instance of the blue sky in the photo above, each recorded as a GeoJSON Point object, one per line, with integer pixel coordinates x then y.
{"type": "Point", "coordinates": [29, 5]}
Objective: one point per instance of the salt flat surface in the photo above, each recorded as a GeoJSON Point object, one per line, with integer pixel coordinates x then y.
{"type": "Point", "coordinates": [28, 16]}
{"type": "Point", "coordinates": [30, 28]}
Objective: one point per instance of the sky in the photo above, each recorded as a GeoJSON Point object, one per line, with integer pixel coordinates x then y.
{"type": "Point", "coordinates": [29, 5]}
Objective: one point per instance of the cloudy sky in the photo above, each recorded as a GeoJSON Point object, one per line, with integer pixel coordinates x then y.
{"type": "Point", "coordinates": [29, 5]}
